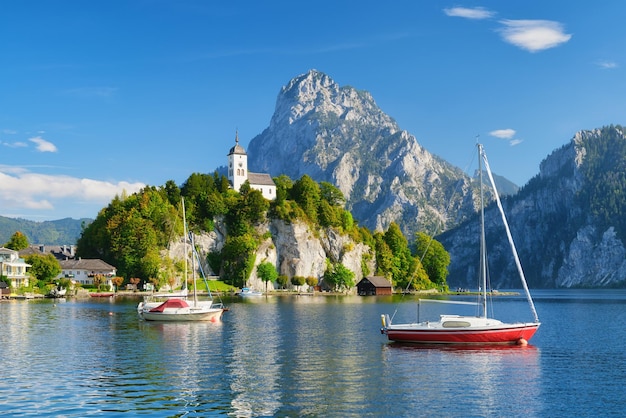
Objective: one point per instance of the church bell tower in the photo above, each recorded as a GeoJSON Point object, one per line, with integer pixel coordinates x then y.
{"type": "Point", "coordinates": [237, 165]}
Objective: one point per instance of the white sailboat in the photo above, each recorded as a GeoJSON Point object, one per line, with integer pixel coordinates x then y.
{"type": "Point", "coordinates": [458, 329]}
{"type": "Point", "coordinates": [178, 307]}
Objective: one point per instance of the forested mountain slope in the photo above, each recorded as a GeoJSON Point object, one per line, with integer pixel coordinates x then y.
{"type": "Point", "coordinates": [568, 222]}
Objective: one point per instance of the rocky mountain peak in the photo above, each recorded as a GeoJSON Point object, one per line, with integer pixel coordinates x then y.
{"type": "Point", "coordinates": [315, 93]}
{"type": "Point", "coordinates": [338, 134]}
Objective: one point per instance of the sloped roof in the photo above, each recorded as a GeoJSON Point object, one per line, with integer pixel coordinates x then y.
{"type": "Point", "coordinates": [60, 252]}
{"type": "Point", "coordinates": [237, 149]}
{"type": "Point", "coordinates": [91, 264]}
{"type": "Point", "coordinates": [261, 179]}
{"type": "Point", "coordinates": [378, 281]}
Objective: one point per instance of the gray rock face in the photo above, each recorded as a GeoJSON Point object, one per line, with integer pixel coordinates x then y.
{"type": "Point", "coordinates": [294, 249]}
{"type": "Point", "coordinates": [339, 135]}
{"type": "Point", "coordinates": [559, 242]}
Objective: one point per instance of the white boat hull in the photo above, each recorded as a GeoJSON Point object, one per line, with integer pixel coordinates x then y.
{"type": "Point", "coordinates": [184, 315]}
{"type": "Point", "coordinates": [179, 310]}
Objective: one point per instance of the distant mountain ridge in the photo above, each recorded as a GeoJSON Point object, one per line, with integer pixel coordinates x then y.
{"type": "Point", "coordinates": [60, 232]}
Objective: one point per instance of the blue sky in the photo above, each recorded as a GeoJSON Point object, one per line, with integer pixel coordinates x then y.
{"type": "Point", "coordinates": [101, 97]}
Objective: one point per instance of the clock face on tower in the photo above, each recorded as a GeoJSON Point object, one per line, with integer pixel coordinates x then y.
{"type": "Point", "coordinates": [240, 164]}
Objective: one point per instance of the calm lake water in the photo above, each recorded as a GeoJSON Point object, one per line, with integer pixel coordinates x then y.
{"type": "Point", "coordinates": [307, 356]}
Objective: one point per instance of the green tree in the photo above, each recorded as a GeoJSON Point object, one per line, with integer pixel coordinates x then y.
{"type": "Point", "coordinates": [256, 206]}
{"type": "Point", "coordinates": [282, 280]}
{"type": "Point", "coordinates": [306, 193]}
{"type": "Point", "coordinates": [331, 194]}
{"type": "Point", "coordinates": [327, 215]}
{"type": "Point", "coordinates": [311, 281]}
{"type": "Point", "coordinates": [434, 257]}
{"type": "Point", "coordinates": [44, 267]}
{"type": "Point", "coordinates": [130, 232]}
{"type": "Point", "coordinates": [283, 188]}
{"type": "Point", "coordinates": [17, 242]}
{"type": "Point", "coordinates": [338, 276]}
{"type": "Point", "coordinates": [238, 256]}
{"type": "Point", "coordinates": [267, 272]}
{"type": "Point", "coordinates": [347, 222]}
{"type": "Point", "coordinates": [172, 191]}
{"type": "Point", "coordinates": [393, 257]}
{"type": "Point", "coordinates": [298, 281]}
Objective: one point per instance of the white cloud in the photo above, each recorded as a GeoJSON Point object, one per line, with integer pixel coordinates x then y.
{"type": "Point", "coordinates": [24, 190]}
{"type": "Point", "coordinates": [507, 134]}
{"type": "Point", "coordinates": [473, 13]}
{"type": "Point", "coordinates": [607, 65]}
{"type": "Point", "coordinates": [43, 145]}
{"type": "Point", "coordinates": [503, 133]}
{"type": "Point", "coordinates": [17, 144]}
{"type": "Point", "coordinates": [534, 35]}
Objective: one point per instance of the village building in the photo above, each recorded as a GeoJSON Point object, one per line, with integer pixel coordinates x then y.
{"type": "Point", "coordinates": [60, 252]}
{"type": "Point", "coordinates": [374, 285]}
{"type": "Point", "coordinates": [13, 267]}
{"type": "Point", "coordinates": [238, 173]}
{"type": "Point", "coordinates": [83, 270]}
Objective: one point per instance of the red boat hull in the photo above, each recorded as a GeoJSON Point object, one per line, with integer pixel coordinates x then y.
{"type": "Point", "coordinates": [504, 335]}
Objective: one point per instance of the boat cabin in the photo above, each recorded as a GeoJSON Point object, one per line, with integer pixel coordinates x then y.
{"type": "Point", "coordinates": [374, 285]}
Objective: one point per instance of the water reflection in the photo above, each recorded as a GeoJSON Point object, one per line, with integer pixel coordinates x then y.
{"type": "Point", "coordinates": [253, 367]}
{"type": "Point", "coordinates": [299, 356]}
{"type": "Point", "coordinates": [486, 380]}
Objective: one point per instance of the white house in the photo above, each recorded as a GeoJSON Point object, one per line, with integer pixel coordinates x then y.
{"type": "Point", "coordinates": [238, 173]}
{"type": "Point", "coordinates": [13, 267]}
{"type": "Point", "coordinates": [83, 270]}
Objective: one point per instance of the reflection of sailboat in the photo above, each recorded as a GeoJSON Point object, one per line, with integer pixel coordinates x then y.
{"type": "Point", "coordinates": [180, 308]}
{"type": "Point", "coordinates": [459, 329]}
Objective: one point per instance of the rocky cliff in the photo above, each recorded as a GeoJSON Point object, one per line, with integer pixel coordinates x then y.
{"type": "Point", "coordinates": [293, 248]}
{"type": "Point", "coordinates": [567, 222]}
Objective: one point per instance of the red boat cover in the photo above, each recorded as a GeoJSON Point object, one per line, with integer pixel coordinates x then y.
{"type": "Point", "coordinates": [170, 303]}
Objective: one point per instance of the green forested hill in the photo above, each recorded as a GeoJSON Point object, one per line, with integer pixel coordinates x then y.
{"type": "Point", "coordinates": [60, 232]}
{"type": "Point", "coordinates": [568, 222]}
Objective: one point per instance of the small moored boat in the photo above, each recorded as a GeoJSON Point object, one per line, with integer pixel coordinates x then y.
{"type": "Point", "coordinates": [247, 292]}
{"type": "Point", "coordinates": [180, 307]}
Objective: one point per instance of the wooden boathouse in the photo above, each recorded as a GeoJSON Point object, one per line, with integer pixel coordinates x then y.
{"type": "Point", "coordinates": [374, 285]}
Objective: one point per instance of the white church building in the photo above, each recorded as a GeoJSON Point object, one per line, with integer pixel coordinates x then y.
{"type": "Point", "coordinates": [238, 173]}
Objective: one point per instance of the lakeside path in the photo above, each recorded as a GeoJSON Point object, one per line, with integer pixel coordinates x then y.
{"type": "Point", "coordinates": [139, 294]}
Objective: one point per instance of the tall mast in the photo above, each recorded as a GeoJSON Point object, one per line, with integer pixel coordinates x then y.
{"type": "Point", "coordinates": [518, 264]}
{"type": "Point", "coordinates": [185, 244]}
{"type": "Point", "coordinates": [483, 245]}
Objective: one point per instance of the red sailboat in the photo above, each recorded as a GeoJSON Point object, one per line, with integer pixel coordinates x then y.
{"type": "Point", "coordinates": [459, 329]}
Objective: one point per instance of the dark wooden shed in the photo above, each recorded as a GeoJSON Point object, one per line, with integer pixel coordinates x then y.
{"type": "Point", "coordinates": [374, 285]}
{"type": "Point", "coordinates": [5, 291]}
